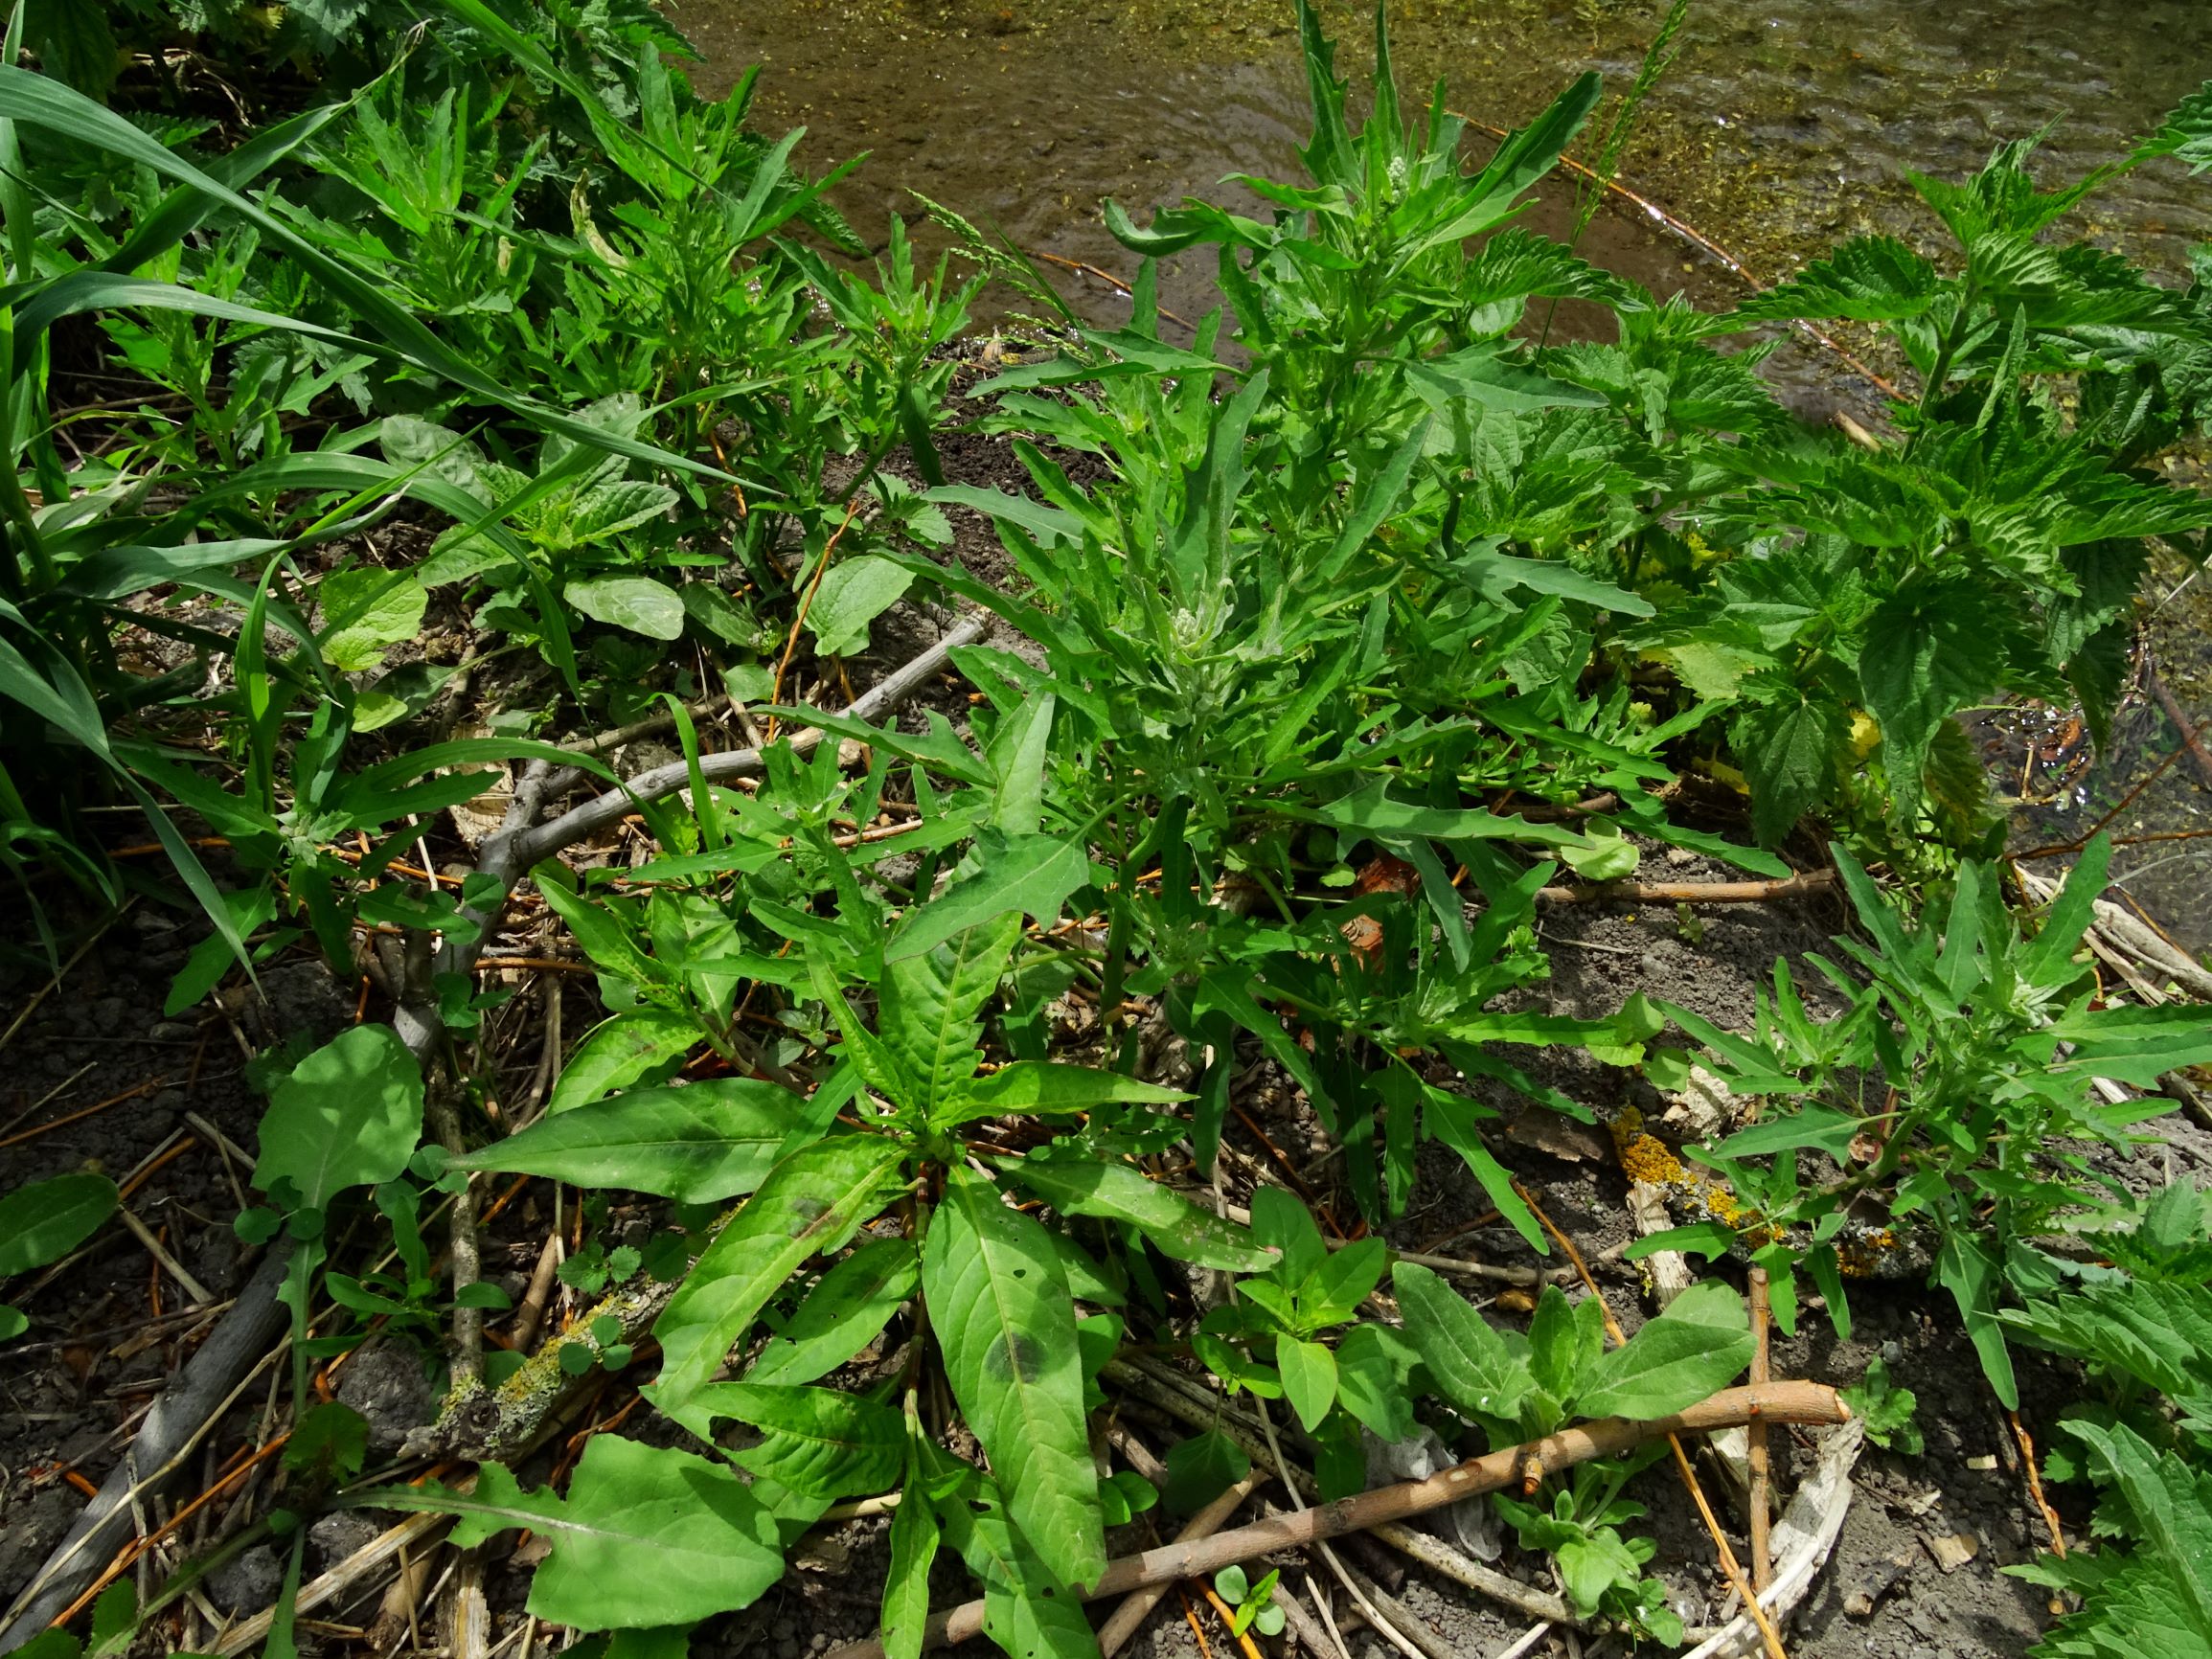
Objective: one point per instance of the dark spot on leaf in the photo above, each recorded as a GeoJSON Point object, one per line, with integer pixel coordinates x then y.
{"type": "Point", "coordinates": [1014, 1357]}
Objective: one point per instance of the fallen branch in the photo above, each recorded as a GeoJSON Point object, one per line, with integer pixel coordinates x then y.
{"type": "Point", "coordinates": [1798, 886]}
{"type": "Point", "coordinates": [1787, 1402]}
{"type": "Point", "coordinates": [1807, 1533]}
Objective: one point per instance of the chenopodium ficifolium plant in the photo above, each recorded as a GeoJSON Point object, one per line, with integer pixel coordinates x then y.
{"type": "Point", "coordinates": [1990, 1041]}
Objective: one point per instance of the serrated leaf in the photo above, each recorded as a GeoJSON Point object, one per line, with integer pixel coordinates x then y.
{"type": "Point", "coordinates": [1029, 874]}
{"type": "Point", "coordinates": [1118, 1192]}
{"type": "Point", "coordinates": [1698, 1347]}
{"type": "Point", "coordinates": [349, 1116]}
{"type": "Point", "coordinates": [1868, 279]}
{"type": "Point", "coordinates": [697, 1144]}
{"type": "Point", "coordinates": [1000, 1304]}
{"type": "Point", "coordinates": [364, 610]}
{"type": "Point", "coordinates": [811, 1203]}
{"type": "Point", "coordinates": [929, 1013]}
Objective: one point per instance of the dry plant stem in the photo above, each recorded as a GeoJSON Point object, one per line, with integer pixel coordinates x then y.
{"type": "Point", "coordinates": [1424, 1548]}
{"type": "Point", "coordinates": [1407, 1622]}
{"type": "Point", "coordinates": [2035, 1492]}
{"type": "Point", "coordinates": [1787, 1402]}
{"type": "Point", "coordinates": [370, 1558]}
{"type": "Point", "coordinates": [468, 1322]}
{"type": "Point", "coordinates": [1767, 1633]}
{"type": "Point", "coordinates": [191, 1286]}
{"type": "Point", "coordinates": [799, 621]}
{"type": "Point", "coordinates": [532, 1314]}
{"type": "Point", "coordinates": [1797, 886]}
{"type": "Point", "coordinates": [1243, 1639]}
{"type": "Point", "coordinates": [2199, 757]}
{"type": "Point", "coordinates": [1762, 1371]}
{"type": "Point", "coordinates": [1128, 1618]}
{"type": "Point", "coordinates": [1523, 1643]}
{"type": "Point", "coordinates": [190, 1407]}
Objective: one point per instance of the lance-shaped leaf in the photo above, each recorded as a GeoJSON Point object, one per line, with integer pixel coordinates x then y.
{"type": "Point", "coordinates": [811, 1203]}
{"type": "Point", "coordinates": [1473, 1366]}
{"type": "Point", "coordinates": [914, 1534]}
{"type": "Point", "coordinates": [1030, 875]}
{"type": "Point", "coordinates": [1027, 1609]}
{"type": "Point", "coordinates": [697, 1144]}
{"type": "Point", "coordinates": [46, 1220]}
{"type": "Point", "coordinates": [841, 1314]}
{"type": "Point", "coordinates": [1044, 1088]}
{"type": "Point", "coordinates": [1697, 1347]}
{"type": "Point", "coordinates": [646, 1536]}
{"type": "Point", "coordinates": [821, 1443]}
{"type": "Point", "coordinates": [928, 1016]}
{"type": "Point", "coordinates": [1118, 1192]}
{"type": "Point", "coordinates": [999, 1303]}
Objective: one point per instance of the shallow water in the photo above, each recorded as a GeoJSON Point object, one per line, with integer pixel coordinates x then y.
{"type": "Point", "coordinates": [1784, 126]}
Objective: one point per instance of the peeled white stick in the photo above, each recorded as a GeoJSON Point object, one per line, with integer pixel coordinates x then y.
{"type": "Point", "coordinates": [1803, 1539]}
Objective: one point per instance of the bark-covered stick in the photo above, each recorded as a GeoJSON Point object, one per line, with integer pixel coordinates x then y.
{"type": "Point", "coordinates": [1797, 1402]}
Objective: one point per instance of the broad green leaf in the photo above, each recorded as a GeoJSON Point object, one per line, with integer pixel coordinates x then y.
{"type": "Point", "coordinates": [914, 1534]}
{"type": "Point", "coordinates": [620, 1051]}
{"type": "Point", "coordinates": [636, 602]}
{"type": "Point", "coordinates": [1309, 1378]}
{"type": "Point", "coordinates": [1698, 1347]}
{"type": "Point", "coordinates": [2135, 1045]}
{"type": "Point", "coordinates": [46, 1220]}
{"type": "Point", "coordinates": [1000, 1304]}
{"type": "Point", "coordinates": [366, 609]}
{"type": "Point", "coordinates": [646, 1536]}
{"type": "Point", "coordinates": [820, 1441]}
{"type": "Point", "coordinates": [2051, 959]}
{"type": "Point", "coordinates": [1171, 1222]}
{"type": "Point", "coordinates": [1201, 1469]}
{"type": "Point", "coordinates": [1711, 1240]}
{"type": "Point", "coordinates": [842, 1314]}
{"type": "Point", "coordinates": [853, 595]}
{"type": "Point", "coordinates": [1032, 875]}
{"type": "Point", "coordinates": [930, 1008]}
{"type": "Point", "coordinates": [1374, 1374]}
{"type": "Point", "coordinates": [1868, 280]}
{"type": "Point", "coordinates": [2171, 1503]}
{"type": "Point", "coordinates": [1565, 1342]}
{"type": "Point", "coordinates": [349, 1116]}
{"type": "Point", "coordinates": [810, 1204]}
{"type": "Point", "coordinates": [1049, 525]}
{"type": "Point", "coordinates": [697, 1144]}
{"type": "Point", "coordinates": [1048, 1088]}
{"type": "Point", "coordinates": [1373, 810]}
{"type": "Point", "coordinates": [1028, 1609]}
{"type": "Point", "coordinates": [1472, 1365]}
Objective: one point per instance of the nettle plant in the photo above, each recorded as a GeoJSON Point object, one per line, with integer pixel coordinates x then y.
{"type": "Point", "coordinates": [1957, 1093]}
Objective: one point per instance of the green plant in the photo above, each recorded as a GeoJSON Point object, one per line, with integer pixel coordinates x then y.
{"type": "Point", "coordinates": [1885, 1409]}
{"type": "Point", "coordinates": [1602, 1571]}
{"type": "Point", "coordinates": [1988, 1040]}
{"type": "Point", "coordinates": [44, 1221]}
{"type": "Point", "coordinates": [1255, 1605]}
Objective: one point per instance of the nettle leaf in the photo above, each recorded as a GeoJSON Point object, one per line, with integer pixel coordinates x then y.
{"type": "Point", "coordinates": [1788, 737]}
{"type": "Point", "coordinates": [999, 1303]}
{"type": "Point", "coordinates": [1119, 1192]}
{"type": "Point", "coordinates": [1695, 1348]}
{"type": "Point", "coordinates": [349, 1116]}
{"type": "Point", "coordinates": [810, 1204]}
{"type": "Point", "coordinates": [929, 1011]}
{"type": "Point", "coordinates": [1868, 279]}
{"type": "Point", "coordinates": [646, 1536]}
{"type": "Point", "coordinates": [1931, 649]}
{"type": "Point", "coordinates": [636, 602]}
{"type": "Point", "coordinates": [821, 1443]}
{"type": "Point", "coordinates": [842, 1314]}
{"type": "Point", "coordinates": [853, 595]}
{"type": "Point", "coordinates": [46, 1220]}
{"type": "Point", "coordinates": [1474, 1367]}
{"type": "Point", "coordinates": [698, 1144]}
